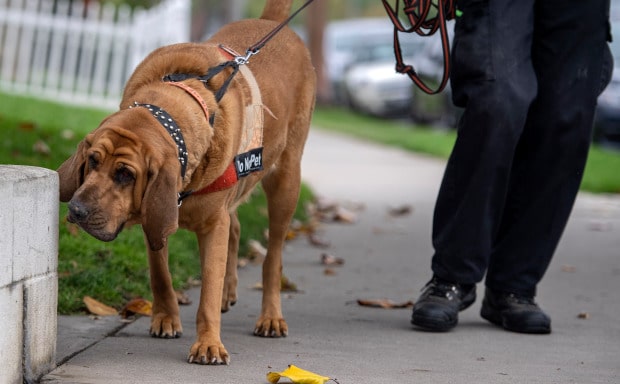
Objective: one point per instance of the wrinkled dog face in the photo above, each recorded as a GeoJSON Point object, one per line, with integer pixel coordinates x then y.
{"type": "Point", "coordinates": [112, 185]}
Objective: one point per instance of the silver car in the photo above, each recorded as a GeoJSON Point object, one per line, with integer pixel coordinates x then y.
{"type": "Point", "coordinates": [352, 42]}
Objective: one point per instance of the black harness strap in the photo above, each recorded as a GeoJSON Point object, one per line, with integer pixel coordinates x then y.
{"type": "Point", "coordinates": [176, 77]}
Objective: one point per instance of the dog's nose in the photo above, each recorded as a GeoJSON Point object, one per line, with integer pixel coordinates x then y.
{"type": "Point", "coordinates": [77, 210]}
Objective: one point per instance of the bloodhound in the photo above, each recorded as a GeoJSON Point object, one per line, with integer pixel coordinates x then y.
{"type": "Point", "coordinates": [199, 126]}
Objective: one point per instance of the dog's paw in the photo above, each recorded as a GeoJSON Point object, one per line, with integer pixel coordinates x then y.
{"type": "Point", "coordinates": [208, 353]}
{"type": "Point", "coordinates": [271, 327]}
{"type": "Point", "coordinates": [166, 326]}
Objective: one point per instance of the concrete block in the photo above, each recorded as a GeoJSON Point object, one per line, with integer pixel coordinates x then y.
{"type": "Point", "coordinates": [35, 221]}
{"type": "Point", "coordinates": [28, 272]}
{"type": "Point", "coordinates": [11, 337]}
{"type": "Point", "coordinates": [40, 325]}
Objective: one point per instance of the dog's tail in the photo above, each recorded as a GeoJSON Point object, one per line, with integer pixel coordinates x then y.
{"type": "Point", "coordinates": [277, 10]}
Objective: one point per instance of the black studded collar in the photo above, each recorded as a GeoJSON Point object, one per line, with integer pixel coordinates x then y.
{"type": "Point", "coordinates": [172, 128]}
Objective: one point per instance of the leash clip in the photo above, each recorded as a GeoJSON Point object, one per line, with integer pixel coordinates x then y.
{"type": "Point", "coordinates": [242, 60]}
{"type": "Point", "coordinates": [183, 195]}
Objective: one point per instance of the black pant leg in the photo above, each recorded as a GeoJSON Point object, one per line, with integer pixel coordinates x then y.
{"type": "Point", "coordinates": [568, 54]}
{"type": "Point", "coordinates": [493, 78]}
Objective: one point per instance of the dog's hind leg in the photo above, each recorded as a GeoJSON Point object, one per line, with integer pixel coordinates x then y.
{"type": "Point", "coordinates": [229, 296]}
{"type": "Point", "coordinates": [281, 187]}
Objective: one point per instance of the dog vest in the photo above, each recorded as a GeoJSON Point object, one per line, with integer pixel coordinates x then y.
{"type": "Point", "coordinates": [249, 156]}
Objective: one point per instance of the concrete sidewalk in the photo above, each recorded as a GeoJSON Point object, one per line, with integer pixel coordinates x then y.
{"type": "Point", "coordinates": [385, 257]}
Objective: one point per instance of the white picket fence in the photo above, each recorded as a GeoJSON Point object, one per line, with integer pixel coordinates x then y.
{"type": "Point", "coordinates": [57, 49]}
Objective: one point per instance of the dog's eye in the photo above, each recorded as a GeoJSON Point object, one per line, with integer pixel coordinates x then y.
{"type": "Point", "coordinates": [123, 176]}
{"type": "Point", "coordinates": [93, 162]}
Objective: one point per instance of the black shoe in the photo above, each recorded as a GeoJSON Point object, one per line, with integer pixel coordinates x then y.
{"type": "Point", "coordinates": [514, 313]}
{"type": "Point", "coordinates": [438, 307]}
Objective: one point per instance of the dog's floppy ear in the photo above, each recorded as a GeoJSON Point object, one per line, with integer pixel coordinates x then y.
{"type": "Point", "coordinates": [71, 173]}
{"type": "Point", "coordinates": [160, 211]}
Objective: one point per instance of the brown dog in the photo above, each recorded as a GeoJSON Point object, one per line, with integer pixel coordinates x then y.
{"type": "Point", "coordinates": [191, 128]}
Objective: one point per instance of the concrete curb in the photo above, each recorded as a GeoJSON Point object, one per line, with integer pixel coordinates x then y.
{"type": "Point", "coordinates": [28, 272]}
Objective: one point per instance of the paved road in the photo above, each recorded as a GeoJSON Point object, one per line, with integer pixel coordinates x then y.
{"type": "Point", "coordinates": [385, 257]}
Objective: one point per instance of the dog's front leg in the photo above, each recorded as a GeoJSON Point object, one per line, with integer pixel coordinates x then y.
{"type": "Point", "coordinates": [165, 322]}
{"type": "Point", "coordinates": [213, 244]}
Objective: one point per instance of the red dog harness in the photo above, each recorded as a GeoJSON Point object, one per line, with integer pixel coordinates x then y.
{"type": "Point", "coordinates": [249, 159]}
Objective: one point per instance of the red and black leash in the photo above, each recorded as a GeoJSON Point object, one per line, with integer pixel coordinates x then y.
{"type": "Point", "coordinates": [254, 49]}
{"type": "Point", "coordinates": [417, 13]}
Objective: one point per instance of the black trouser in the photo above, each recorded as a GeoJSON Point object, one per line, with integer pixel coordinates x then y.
{"type": "Point", "coordinates": [528, 73]}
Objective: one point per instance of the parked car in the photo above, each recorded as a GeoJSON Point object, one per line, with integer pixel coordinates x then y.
{"type": "Point", "coordinates": [373, 86]}
{"type": "Point", "coordinates": [607, 118]}
{"type": "Point", "coordinates": [352, 42]}
{"type": "Point", "coordinates": [435, 109]}
{"type": "Point", "coordinates": [376, 88]}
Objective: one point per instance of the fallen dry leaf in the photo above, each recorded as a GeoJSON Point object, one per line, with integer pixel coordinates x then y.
{"type": "Point", "coordinates": [323, 205]}
{"type": "Point", "coordinates": [311, 225]}
{"type": "Point", "coordinates": [98, 308]}
{"type": "Point", "coordinates": [327, 259]}
{"type": "Point", "coordinates": [256, 251]}
{"type": "Point", "coordinates": [343, 215]}
{"type": "Point", "coordinates": [403, 210]}
{"type": "Point", "coordinates": [583, 315]}
{"type": "Point", "coordinates": [317, 241]}
{"type": "Point", "coordinates": [242, 263]}
{"type": "Point", "coordinates": [600, 226]}
{"type": "Point", "coordinates": [193, 282]}
{"type": "Point", "coordinates": [291, 234]}
{"type": "Point", "coordinates": [137, 306]}
{"type": "Point", "coordinates": [41, 148]}
{"type": "Point", "coordinates": [569, 268]}
{"type": "Point", "coordinates": [329, 211]}
{"type": "Point", "coordinates": [182, 298]}
{"type": "Point", "coordinates": [298, 376]}
{"type": "Point", "coordinates": [27, 126]}
{"type": "Point", "coordinates": [296, 225]}
{"type": "Point", "coordinates": [285, 285]}
{"type": "Point", "coordinates": [384, 303]}
{"type": "Point", "coordinates": [297, 228]}
{"type": "Point", "coordinates": [67, 134]}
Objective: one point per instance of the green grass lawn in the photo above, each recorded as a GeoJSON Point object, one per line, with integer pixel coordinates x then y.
{"type": "Point", "coordinates": [601, 175]}
{"type": "Point", "coordinates": [44, 134]}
